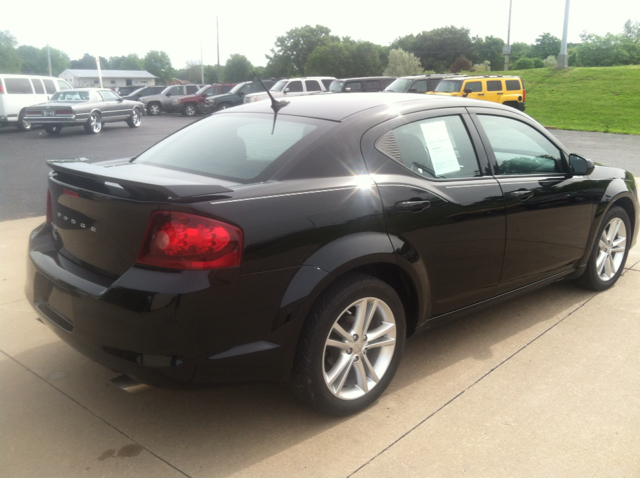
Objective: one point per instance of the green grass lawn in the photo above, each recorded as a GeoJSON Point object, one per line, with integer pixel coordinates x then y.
{"type": "Point", "coordinates": [603, 99]}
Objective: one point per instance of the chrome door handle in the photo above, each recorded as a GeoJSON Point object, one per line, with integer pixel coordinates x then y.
{"type": "Point", "coordinates": [521, 194]}
{"type": "Point", "coordinates": [412, 206]}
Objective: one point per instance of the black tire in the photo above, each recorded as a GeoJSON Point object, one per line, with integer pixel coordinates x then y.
{"type": "Point", "coordinates": [135, 119]}
{"type": "Point", "coordinates": [190, 109]}
{"type": "Point", "coordinates": [94, 123]}
{"type": "Point", "coordinates": [343, 373]}
{"type": "Point", "coordinates": [609, 253]}
{"type": "Point", "coordinates": [154, 109]}
{"type": "Point", "coordinates": [54, 130]}
{"type": "Point", "coordinates": [23, 125]}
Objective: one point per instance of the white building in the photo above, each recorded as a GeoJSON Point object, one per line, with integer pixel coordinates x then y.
{"type": "Point", "coordinates": [110, 78]}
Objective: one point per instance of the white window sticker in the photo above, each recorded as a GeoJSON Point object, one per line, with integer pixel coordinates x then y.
{"type": "Point", "coordinates": [443, 156]}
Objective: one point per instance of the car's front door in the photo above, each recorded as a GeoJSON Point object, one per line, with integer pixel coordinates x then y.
{"type": "Point", "coordinates": [113, 107]}
{"type": "Point", "coordinates": [549, 214]}
{"type": "Point", "coordinates": [443, 212]}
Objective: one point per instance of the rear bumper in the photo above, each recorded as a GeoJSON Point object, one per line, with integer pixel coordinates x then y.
{"type": "Point", "coordinates": [164, 328]}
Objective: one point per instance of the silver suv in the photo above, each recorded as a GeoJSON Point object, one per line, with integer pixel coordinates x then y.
{"type": "Point", "coordinates": [294, 87]}
{"type": "Point", "coordinates": [156, 104]}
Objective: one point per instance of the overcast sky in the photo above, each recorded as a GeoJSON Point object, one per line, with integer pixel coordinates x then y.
{"type": "Point", "coordinates": [251, 27]}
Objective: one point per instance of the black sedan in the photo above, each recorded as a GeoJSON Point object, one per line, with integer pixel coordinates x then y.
{"type": "Point", "coordinates": [87, 107]}
{"type": "Point", "coordinates": [305, 240]}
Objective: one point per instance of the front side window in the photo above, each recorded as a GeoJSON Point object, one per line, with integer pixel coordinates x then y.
{"type": "Point", "coordinates": [434, 148]}
{"type": "Point", "coordinates": [233, 147]}
{"type": "Point", "coordinates": [354, 86]}
{"type": "Point", "coordinates": [474, 86]}
{"type": "Point", "coordinates": [520, 148]}
{"type": "Point", "coordinates": [336, 86]}
{"type": "Point", "coordinates": [312, 85]}
{"type": "Point", "coordinates": [49, 86]}
{"type": "Point", "coordinates": [294, 86]}
{"type": "Point", "coordinates": [373, 85]}
{"type": "Point", "coordinates": [419, 86]}
{"type": "Point", "coordinates": [37, 85]}
{"type": "Point", "coordinates": [176, 90]}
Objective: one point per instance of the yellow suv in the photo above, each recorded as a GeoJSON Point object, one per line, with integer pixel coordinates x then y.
{"type": "Point", "coordinates": [508, 90]}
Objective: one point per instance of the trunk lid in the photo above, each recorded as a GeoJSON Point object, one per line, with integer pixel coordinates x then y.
{"type": "Point", "coordinates": [100, 212]}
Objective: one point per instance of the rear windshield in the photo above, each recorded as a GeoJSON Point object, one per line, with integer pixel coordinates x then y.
{"type": "Point", "coordinates": [235, 147]}
{"type": "Point", "coordinates": [449, 86]}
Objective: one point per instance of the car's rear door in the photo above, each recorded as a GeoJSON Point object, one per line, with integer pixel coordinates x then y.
{"type": "Point", "coordinates": [444, 213]}
{"type": "Point", "coordinates": [549, 213]}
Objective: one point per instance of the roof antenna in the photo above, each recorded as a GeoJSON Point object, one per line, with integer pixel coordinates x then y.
{"type": "Point", "coordinates": [275, 104]}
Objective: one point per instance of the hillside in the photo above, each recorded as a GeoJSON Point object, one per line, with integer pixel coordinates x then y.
{"type": "Point", "coordinates": [589, 99]}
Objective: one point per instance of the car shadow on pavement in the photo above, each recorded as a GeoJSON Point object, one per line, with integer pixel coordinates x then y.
{"type": "Point", "coordinates": [232, 427]}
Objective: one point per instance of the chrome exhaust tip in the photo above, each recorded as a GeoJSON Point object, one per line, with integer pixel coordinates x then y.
{"type": "Point", "coordinates": [129, 385]}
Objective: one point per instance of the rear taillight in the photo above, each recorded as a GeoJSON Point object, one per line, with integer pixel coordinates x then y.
{"type": "Point", "coordinates": [178, 240]}
{"type": "Point", "coordinates": [33, 113]}
{"type": "Point", "coordinates": [64, 112]}
{"type": "Point", "coordinates": [49, 217]}
{"type": "Point", "coordinates": [524, 95]}
{"type": "Point", "coordinates": [1, 89]}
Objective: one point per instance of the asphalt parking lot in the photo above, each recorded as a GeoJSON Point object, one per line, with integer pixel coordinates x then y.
{"type": "Point", "coordinates": [544, 385]}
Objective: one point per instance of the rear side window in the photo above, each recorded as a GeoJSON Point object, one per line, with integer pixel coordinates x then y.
{"type": "Point", "coordinates": [191, 89]}
{"type": "Point", "coordinates": [49, 87]}
{"type": "Point", "coordinates": [37, 85]}
{"type": "Point", "coordinates": [233, 146]}
{"type": "Point", "coordinates": [513, 85]}
{"type": "Point", "coordinates": [434, 148]}
{"type": "Point", "coordinates": [494, 85]}
{"type": "Point", "coordinates": [18, 86]}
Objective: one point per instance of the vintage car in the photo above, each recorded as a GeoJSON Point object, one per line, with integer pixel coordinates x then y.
{"type": "Point", "coordinates": [87, 107]}
{"type": "Point", "coordinates": [304, 239]}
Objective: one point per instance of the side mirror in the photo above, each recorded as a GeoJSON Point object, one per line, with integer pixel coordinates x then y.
{"type": "Point", "coordinates": [286, 90]}
{"type": "Point", "coordinates": [467, 91]}
{"type": "Point", "coordinates": [580, 166]}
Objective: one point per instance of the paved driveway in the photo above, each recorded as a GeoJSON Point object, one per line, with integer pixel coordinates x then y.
{"type": "Point", "coordinates": [545, 385]}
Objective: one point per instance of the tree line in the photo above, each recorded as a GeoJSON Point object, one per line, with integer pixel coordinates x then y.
{"type": "Point", "coordinates": [313, 50]}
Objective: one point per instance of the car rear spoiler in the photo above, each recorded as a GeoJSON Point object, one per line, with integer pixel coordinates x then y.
{"type": "Point", "coordinates": [121, 181]}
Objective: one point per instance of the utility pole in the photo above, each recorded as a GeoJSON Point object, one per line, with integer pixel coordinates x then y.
{"type": "Point", "coordinates": [201, 62]}
{"type": "Point", "coordinates": [507, 49]}
{"type": "Point", "coordinates": [218, 47]}
{"type": "Point", "coordinates": [49, 59]}
{"type": "Point", "coordinates": [563, 58]}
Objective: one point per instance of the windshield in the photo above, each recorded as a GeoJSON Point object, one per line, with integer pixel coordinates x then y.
{"type": "Point", "coordinates": [237, 88]}
{"type": "Point", "coordinates": [336, 86]}
{"type": "Point", "coordinates": [449, 86]}
{"type": "Point", "coordinates": [235, 147]}
{"type": "Point", "coordinates": [279, 86]}
{"type": "Point", "coordinates": [401, 85]}
{"type": "Point", "coordinates": [202, 90]}
{"type": "Point", "coordinates": [70, 95]}
{"type": "Point", "coordinates": [135, 92]}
